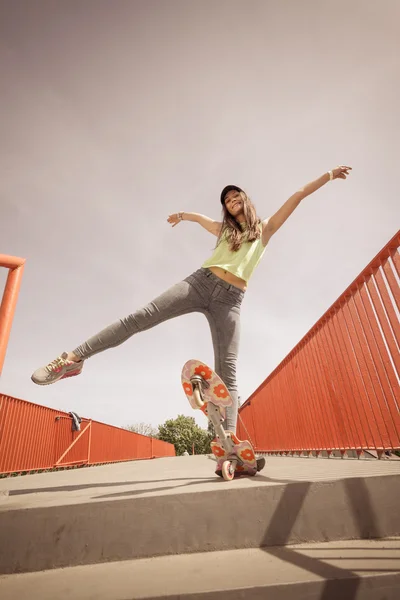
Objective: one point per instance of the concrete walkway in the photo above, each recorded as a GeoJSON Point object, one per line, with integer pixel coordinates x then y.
{"type": "Point", "coordinates": [177, 475]}
{"type": "Point", "coordinates": [172, 506]}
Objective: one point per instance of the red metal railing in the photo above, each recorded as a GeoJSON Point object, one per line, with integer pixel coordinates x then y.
{"type": "Point", "coordinates": [34, 437]}
{"type": "Point", "coordinates": [9, 300]}
{"type": "Point", "coordinates": [338, 389]}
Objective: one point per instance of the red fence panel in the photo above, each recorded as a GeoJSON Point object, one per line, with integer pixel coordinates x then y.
{"type": "Point", "coordinates": [34, 437]}
{"type": "Point", "coordinates": [338, 389]}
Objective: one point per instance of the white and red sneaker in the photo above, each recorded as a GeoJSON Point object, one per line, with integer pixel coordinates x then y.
{"type": "Point", "coordinates": [59, 368]}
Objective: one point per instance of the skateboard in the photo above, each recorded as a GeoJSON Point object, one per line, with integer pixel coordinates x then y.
{"type": "Point", "coordinates": [207, 392]}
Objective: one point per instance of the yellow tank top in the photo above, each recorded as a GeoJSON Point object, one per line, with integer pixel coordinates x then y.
{"type": "Point", "coordinates": [241, 263]}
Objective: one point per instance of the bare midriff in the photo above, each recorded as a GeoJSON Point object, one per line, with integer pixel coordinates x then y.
{"type": "Point", "coordinates": [229, 278]}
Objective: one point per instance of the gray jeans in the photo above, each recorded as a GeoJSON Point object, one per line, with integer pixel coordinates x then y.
{"type": "Point", "coordinates": [201, 292]}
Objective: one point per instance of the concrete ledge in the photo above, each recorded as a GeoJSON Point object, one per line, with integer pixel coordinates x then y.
{"type": "Point", "coordinates": [64, 525]}
{"type": "Point", "coordinates": [355, 570]}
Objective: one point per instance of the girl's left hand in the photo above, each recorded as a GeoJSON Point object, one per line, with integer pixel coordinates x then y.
{"type": "Point", "coordinates": [341, 172]}
{"type": "Point", "coordinates": [174, 219]}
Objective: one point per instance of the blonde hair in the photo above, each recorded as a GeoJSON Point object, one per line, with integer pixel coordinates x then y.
{"type": "Point", "coordinates": [231, 228]}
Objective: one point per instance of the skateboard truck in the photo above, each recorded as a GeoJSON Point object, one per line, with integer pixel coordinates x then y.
{"type": "Point", "coordinates": [198, 383]}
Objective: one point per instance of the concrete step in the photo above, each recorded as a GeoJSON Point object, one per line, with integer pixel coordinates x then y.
{"type": "Point", "coordinates": [352, 570]}
{"type": "Point", "coordinates": [177, 506]}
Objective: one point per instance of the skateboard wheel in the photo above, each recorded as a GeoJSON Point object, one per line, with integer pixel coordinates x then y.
{"type": "Point", "coordinates": [228, 471]}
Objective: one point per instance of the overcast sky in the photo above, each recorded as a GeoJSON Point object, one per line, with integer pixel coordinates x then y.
{"type": "Point", "coordinates": [116, 113]}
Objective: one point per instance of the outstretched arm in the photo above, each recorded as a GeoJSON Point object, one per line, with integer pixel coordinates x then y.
{"type": "Point", "coordinates": [271, 225]}
{"type": "Point", "coordinates": [213, 227]}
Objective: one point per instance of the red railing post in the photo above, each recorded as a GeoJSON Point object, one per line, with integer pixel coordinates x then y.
{"type": "Point", "coordinates": [9, 300]}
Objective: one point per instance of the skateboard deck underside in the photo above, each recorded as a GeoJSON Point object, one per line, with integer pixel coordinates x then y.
{"type": "Point", "coordinates": [218, 394]}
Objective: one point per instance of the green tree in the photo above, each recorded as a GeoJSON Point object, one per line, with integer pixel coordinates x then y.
{"type": "Point", "coordinates": [143, 429]}
{"type": "Point", "coordinates": [183, 433]}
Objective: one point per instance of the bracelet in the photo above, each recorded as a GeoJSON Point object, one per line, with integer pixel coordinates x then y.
{"type": "Point", "coordinates": [180, 216]}
{"type": "Point", "coordinates": [330, 175]}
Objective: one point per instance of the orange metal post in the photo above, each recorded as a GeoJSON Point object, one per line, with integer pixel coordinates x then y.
{"type": "Point", "coordinates": [9, 301]}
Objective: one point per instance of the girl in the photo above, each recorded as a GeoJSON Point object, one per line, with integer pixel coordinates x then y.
{"type": "Point", "coordinates": [216, 289]}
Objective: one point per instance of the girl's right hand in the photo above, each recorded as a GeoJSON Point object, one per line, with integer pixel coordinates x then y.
{"type": "Point", "coordinates": [341, 172]}
{"type": "Point", "coordinates": [174, 219]}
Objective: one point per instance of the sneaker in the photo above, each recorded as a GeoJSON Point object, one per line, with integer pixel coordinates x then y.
{"type": "Point", "coordinates": [60, 368]}
{"type": "Point", "coordinates": [260, 463]}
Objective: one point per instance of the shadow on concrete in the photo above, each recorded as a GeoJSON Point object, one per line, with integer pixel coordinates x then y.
{"type": "Point", "coordinates": [86, 486]}
{"type": "Point", "coordinates": [187, 480]}
{"type": "Point", "coordinates": [214, 480]}
{"type": "Point", "coordinates": [378, 570]}
{"type": "Point", "coordinates": [341, 582]}
{"type": "Point", "coordinates": [286, 514]}
{"type": "Point", "coordinates": [137, 492]}
{"type": "Point", "coordinates": [361, 507]}
{"type": "Point", "coordinates": [345, 548]}
{"type": "Point", "coordinates": [280, 528]}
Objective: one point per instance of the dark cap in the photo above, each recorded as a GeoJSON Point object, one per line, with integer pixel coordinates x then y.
{"type": "Point", "coordinates": [227, 189]}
